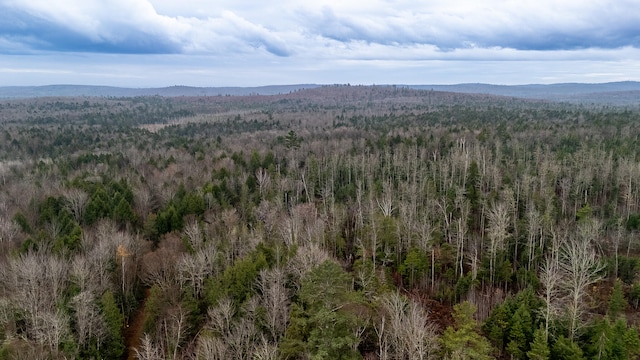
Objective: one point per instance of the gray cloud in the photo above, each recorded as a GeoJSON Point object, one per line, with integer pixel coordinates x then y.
{"type": "Point", "coordinates": [266, 40]}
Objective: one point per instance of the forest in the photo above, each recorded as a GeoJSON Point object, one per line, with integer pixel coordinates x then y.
{"type": "Point", "coordinates": [339, 222]}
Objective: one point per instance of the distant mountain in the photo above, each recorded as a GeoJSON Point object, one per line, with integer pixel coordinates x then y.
{"type": "Point", "coordinates": [617, 93]}
{"type": "Point", "coordinates": [625, 92]}
{"type": "Point", "coordinates": [172, 91]}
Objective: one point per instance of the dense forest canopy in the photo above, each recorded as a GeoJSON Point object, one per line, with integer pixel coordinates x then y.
{"type": "Point", "coordinates": [336, 222]}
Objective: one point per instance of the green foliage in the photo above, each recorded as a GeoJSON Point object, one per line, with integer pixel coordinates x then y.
{"type": "Point", "coordinates": [617, 302]}
{"type": "Point", "coordinates": [292, 140]}
{"type": "Point", "coordinates": [325, 317]}
{"type": "Point", "coordinates": [462, 341]}
{"type": "Point", "coordinates": [510, 324]}
{"type": "Point", "coordinates": [22, 222]}
{"type": "Point", "coordinates": [114, 344]}
{"type": "Point", "coordinates": [584, 213]}
{"type": "Point", "coordinates": [153, 307]}
{"type": "Point", "coordinates": [566, 349]}
{"type": "Point", "coordinates": [633, 222]}
{"type": "Point", "coordinates": [539, 346]}
{"type": "Point", "coordinates": [628, 268]}
{"type": "Point", "coordinates": [414, 266]}
{"type": "Point", "coordinates": [520, 334]}
{"type": "Point", "coordinates": [612, 340]}
{"type": "Point", "coordinates": [237, 281]}
{"type": "Point", "coordinates": [68, 233]}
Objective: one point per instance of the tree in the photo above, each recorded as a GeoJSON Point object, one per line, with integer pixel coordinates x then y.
{"type": "Point", "coordinates": [89, 323]}
{"type": "Point", "coordinates": [8, 230]}
{"type": "Point", "coordinates": [320, 326]}
{"type": "Point", "coordinates": [76, 201]}
{"type": "Point", "coordinates": [519, 333]}
{"type": "Point", "coordinates": [148, 350]}
{"type": "Point", "coordinates": [275, 300]}
{"type": "Point", "coordinates": [414, 266]}
{"type": "Point", "coordinates": [114, 321]}
{"type": "Point", "coordinates": [405, 330]}
{"type": "Point", "coordinates": [565, 349]}
{"type": "Point", "coordinates": [550, 279]}
{"type": "Point", "coordinates": [539, 346]}
{"type": "Point", "coordinates": [462, 341]}
{"type": "Point", "coordinates": [498, 218]}
{"type": "Point", "coordinates": [292, 140]}
{"type": "Point", "coordinates": [580, 268]}
{"type": "Point", "coordinates": [609, 339]}
{"type": "Point", "coordinates": [617, 302]}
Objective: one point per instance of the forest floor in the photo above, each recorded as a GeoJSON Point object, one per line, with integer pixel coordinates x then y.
{"type": "Point", "coordinates": [133, 331]}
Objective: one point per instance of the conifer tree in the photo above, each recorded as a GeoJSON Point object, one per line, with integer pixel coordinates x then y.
{"type": "Point", "coordinates": [462, 341]}
{"type": "Point", "coordinates": [539, 346]}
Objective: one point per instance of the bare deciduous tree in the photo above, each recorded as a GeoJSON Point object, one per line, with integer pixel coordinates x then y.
{"type": "Point", "coordinates": [580, 268]}
{"type": "Point", "coordinates": [275, 300]}
{"type": "Point", "coordinates": [498, 218]}
{"type": "Point", "coordinates": [213, 348]}
{"type": "Point", "coordinates": [148, 350]}
{"type": "Point", "coordinates": [405, 331]}
{"type": "Point", "coordinates": [550, 278]}
{"type": "Point", "coordinates": [263, 179]}
{"type": "Point", "coordinates": [194, 269]}
{"type": "Point", "coordinates": [88, 320]}
{"type": "Point", "coordinates": [8, 230]}
{"type": "Point", "coordinates": [76, 201]}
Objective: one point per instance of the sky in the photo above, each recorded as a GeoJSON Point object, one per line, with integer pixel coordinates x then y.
{"type": "Point", "coordinates": [154, 43]}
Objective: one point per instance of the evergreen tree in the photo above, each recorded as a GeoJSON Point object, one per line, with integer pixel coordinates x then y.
{"type": "Point", "coordinates": [519, 332]}
{"type": "Point", "coordinates": [539, 346]}
{"type": "Point", "coordinates": [566, 349]}
{"type": "Point", "coordinates": [114, 320]}
{"type": "Point", "coordinates": [462, 341]}
{"type": "Point", "coordinates": [617, 303]}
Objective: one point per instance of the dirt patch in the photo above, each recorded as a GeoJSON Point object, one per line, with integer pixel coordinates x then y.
{"type": "Point", "coordinates": [134, 329]}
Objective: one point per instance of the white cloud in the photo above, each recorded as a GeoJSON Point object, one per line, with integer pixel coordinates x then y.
{"type": "Point", "coordinates": [281, 39]}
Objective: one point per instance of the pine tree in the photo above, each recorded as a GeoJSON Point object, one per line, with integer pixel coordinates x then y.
{"type": "Point", "coordinates": [566, 349]}
{"type": "Point", "coordinates": [539, 346]}
{"type": "Point", "coordinates": [617, 303]}
{"type": "Point", "coordinates": [462, 341]}
{"type": "Point", "coordinates": [518, 342]}
{"type": "Point", "coordinates": [114, 344]}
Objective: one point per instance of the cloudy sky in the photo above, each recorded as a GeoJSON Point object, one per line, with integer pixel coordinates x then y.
{"type": "Point", "coordinates": [148, 43]}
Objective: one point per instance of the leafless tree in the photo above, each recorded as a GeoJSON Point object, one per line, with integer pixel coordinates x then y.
{"type": "Point", "coordinates": [159, 268]}
{"type": "Point", "coordinates": [148, 350]}
{"type": "Point", "coordinates": [550, 279]}
{"type": "Point", "coordinates": [76, 201]}
{"type": "Point", "coordinates": [534, 229]}
{"type": "Point", "coordinates": [194, 269]}
{"type": "Point", "coordinates": [498, 218]}
{"type": "Point", "coordinates": [263, 179]}
{"type": "Point", "coordinates": [212, 348]}
{"type": "Point", "coordinates": [265, 351]}
{"type": "Point", "coordinates": [386, 202]}
{"type": "Point", "coordinates": [275, 300]}
{"type": "Point", "coordinates": [88, 320]}
{"type": "Point", "coordinates": [193, 233]}
{"type": "Point", "coordinates": [306, 258]}
{"type": "Point", "coordinates": [580, 268]}
{"type": "Point", "coordinates": [51, 328]}
{"type": "Point", "coordinates": [220, 317]}
{"type": "Point", "coordinates": [174, 326]}
{"type": "Point", "coordinates": [8, 230]}
{"type": "Point", "coordinates": [405, 330]}
{"type": "Point", "coordinates": [144, 200]}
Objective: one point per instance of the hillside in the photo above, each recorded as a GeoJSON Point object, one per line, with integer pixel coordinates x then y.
{"type": "Point", "coordinates": [615, 93]}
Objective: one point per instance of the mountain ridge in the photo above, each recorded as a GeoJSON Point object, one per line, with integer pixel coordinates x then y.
{"type": "Point", "coordinates": [621, 92]}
